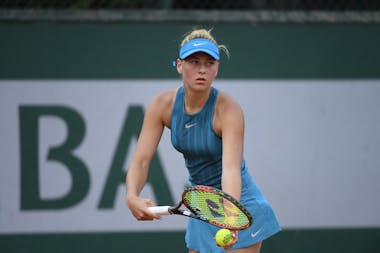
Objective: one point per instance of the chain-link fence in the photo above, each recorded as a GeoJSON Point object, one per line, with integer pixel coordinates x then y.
{"type": "Point", "coordinates": [283, 5]}
{"type": "Point", "coordinates": [194, 11]}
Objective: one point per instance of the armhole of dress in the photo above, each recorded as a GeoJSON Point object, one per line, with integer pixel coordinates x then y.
{"type": "Point", "coordinates": [213, 114]}
{"type": "Point", "coordinates": [177, 94]}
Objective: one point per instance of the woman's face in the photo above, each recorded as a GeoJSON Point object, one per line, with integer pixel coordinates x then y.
{"type": "Point", "coordinates": [198, 70]}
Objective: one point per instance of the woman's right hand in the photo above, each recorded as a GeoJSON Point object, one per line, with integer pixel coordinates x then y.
{"type": "Point", "coordinates": [139, 208]}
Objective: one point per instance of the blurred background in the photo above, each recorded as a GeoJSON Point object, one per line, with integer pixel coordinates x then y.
{"type": "Point", "coordinates": [77, 75]}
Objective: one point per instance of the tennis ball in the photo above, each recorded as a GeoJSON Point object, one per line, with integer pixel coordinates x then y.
{"type": "Point", "coordinates": [224, 237]}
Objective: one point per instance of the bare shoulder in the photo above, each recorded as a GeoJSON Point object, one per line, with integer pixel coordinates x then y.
{"type": "Point", "coordinates": [164, 98]}
{"type": "Point", "coordinates": [227, 104]}
{"type": "Point", "coordinates": [228, 114]}
{"type": "Point", "coordinates": [162, 105]}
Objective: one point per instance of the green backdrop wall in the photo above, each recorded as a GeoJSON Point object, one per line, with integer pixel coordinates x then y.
{"type": "Point", "coordinates": [129, 51]}
{"type": "Point", "coordinates": [119, 51]}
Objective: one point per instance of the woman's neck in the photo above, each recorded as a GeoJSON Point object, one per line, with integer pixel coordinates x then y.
{"type": "Point", "coordinates": [195, 101]}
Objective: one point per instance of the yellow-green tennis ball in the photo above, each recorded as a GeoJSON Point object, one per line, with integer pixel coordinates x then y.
{"type": "Point", "coordinates": [224, 237]}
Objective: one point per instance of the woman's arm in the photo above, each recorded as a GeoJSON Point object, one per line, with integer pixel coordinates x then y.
{"type": "Point", "coordinates": [154, 122]}
{"type": "Point", "coordinates": [231, 127]}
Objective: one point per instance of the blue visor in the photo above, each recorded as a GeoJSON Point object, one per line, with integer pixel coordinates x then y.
{"type": "Point", "coordinates": [199, 45]}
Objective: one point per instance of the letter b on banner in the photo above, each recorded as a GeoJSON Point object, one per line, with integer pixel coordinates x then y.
{"type": "Point", "coordinates": [29, 128]}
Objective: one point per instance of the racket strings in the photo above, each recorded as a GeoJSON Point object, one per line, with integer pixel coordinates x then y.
{"type": "Point", "coordinates": [216, 209]}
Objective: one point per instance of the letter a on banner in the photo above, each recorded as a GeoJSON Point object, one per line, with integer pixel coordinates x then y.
{"type": "Point", "coordinates": [116, 177]}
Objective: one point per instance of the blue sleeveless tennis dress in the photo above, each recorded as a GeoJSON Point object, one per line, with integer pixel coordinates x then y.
{"type": "Point", "coordinates": [194, 137]}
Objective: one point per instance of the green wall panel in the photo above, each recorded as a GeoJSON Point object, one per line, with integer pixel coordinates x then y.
{"type": "Point", "coordinates": [288, 241]}
{"type": "Point", "coordinates": [120, 51]}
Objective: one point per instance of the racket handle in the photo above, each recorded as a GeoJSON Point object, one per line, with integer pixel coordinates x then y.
{"type": "Point", "coordinates": [161, 210]}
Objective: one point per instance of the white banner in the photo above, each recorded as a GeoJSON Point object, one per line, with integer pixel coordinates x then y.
{"type": "Point", "coordinates": [312, 146]}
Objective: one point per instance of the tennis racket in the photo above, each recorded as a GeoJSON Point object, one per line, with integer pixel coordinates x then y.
{"type": "Point", "coordinates": [210, 205]}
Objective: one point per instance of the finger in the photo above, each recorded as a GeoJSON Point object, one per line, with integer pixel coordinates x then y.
{"type": "Point", "coordinates": [232, 243]}
{"type": "Point", "coordinates": [150, 203]}
{"type": "Point", "coordinates": [144, 217]}
{"type": "Point", "coordinates": [154, 215]}
{"type": "Point", "coordinates": [143, 212]}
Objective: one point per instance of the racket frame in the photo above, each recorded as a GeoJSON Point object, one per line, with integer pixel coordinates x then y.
{"type": "Point", "coordinates": [192, 213]}
{"type": "Point", "coordinates": [223, 195]}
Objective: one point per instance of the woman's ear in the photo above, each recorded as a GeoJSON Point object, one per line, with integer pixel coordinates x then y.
{"type": "Point", "coordinates": [179, 66]}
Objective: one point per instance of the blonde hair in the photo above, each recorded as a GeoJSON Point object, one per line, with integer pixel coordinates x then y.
{"type": "Point", "coordinates": [204, 34]}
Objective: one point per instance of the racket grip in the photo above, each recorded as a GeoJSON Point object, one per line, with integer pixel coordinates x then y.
{"type": "Point", "coordinates": [161, 210]}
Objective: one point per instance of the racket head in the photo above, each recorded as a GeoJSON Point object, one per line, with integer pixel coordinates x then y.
{"type": "Point", "coordinates": [216, 207]}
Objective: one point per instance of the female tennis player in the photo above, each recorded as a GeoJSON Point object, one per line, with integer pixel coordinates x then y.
{"type": "Point", "coordinates": [207, 127]}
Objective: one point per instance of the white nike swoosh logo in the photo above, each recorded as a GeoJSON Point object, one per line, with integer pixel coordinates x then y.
{"type": "Point", "coordinates": [190, 125]}
{"type": "Point", "coordinates": [256, 233]}
{"type": "Point", "coordinates": [198, 44]}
